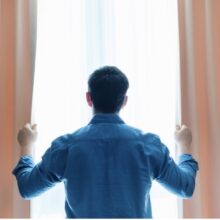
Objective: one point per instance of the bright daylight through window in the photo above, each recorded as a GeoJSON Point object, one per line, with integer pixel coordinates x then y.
{"type": "Point", "coordinates": [77, 36]}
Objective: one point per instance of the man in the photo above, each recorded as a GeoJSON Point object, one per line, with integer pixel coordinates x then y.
{"type": "Point", "coordinates": [107, 166]}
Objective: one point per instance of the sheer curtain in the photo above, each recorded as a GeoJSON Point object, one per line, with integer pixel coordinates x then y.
{"type": "Point", "coordinates": [77, 36]}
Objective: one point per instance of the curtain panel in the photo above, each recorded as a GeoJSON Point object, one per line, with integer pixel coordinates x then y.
{"type": "Point", "coordinates": [17, 51]}
{"type": "Point", "coordinates": [200, 87]}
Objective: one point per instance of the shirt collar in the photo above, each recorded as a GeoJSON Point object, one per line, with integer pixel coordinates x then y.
{"type": "Point", "coordinates": [106, 118]}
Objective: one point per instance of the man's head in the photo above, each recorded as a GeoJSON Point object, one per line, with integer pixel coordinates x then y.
{"type": "Point", "coordinates": [107, 90]}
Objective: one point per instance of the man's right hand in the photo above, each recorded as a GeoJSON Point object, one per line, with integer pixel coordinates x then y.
{"type": "Point", "coordinates": [183, 139]}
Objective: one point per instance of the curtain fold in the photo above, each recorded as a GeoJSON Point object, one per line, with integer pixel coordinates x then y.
{"type": "Point", "coordinates": [200, 82]}
{"type": "Point", "coordinates": [17, 50]}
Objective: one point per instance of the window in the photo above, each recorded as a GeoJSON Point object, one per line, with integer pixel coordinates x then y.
{"type": "Point", "coordinates": [77, 36]}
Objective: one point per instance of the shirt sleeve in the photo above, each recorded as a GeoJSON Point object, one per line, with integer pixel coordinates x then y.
{"type": "Point", "coordinates": [33, 179]}
{"type": "Point", "coordinates": [177, 178]}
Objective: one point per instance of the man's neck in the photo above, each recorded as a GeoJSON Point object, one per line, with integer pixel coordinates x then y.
{"type": "Point", "coordinates": [95, 112]}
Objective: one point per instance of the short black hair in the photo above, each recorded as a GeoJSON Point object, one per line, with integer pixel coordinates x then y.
{"type": "Point", "coordinates": [108, 86]}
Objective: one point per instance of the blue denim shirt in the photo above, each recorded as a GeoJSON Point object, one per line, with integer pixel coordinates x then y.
{"type": "Point", "coordinates": [107, 168]}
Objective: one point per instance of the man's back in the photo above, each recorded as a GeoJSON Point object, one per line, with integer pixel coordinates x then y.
{"type": "Point", "coordinates": [107, 168]}
{"type": "Point", "coordinates": [108, 173]}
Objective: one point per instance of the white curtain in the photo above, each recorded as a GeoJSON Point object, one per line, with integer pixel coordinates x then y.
{"type": "Point", "coordinates": [77, 36]}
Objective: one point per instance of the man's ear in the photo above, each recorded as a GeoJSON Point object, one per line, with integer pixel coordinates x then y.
{"type": "Point", "coordinates": [89, 99]}
{"type": "Point", "coordinates": [125, 101]}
